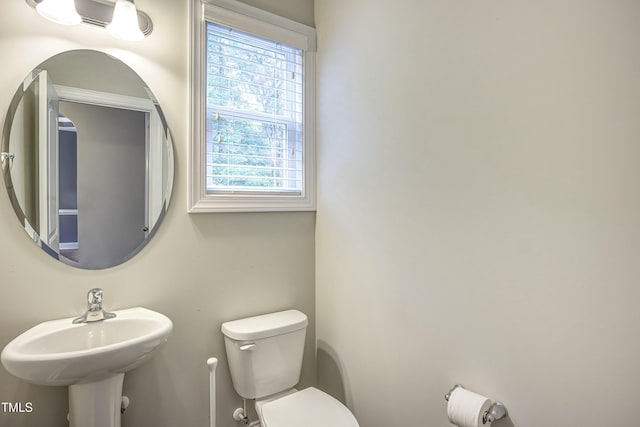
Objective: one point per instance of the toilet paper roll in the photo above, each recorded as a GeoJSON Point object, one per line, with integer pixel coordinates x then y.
{"type": "Point", "coordinates": [466, 408]}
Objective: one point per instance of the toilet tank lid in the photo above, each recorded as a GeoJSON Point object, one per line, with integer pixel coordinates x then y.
{"type": "Point", "coordinates": [266, 325]}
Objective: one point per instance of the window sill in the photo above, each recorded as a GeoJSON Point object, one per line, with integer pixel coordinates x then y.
{"type": "Point", "coordinates": [251, 203]}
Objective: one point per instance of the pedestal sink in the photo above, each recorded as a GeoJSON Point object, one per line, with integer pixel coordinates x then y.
{"type": "Point", "coordinates": [90, 358]}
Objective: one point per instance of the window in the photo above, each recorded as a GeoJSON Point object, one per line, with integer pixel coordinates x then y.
{"type": "Point", "coordinates": [252, 116]}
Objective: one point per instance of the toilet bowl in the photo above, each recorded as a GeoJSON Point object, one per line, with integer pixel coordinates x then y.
{"type": "Point", "coordinates": [309, 407]}
{"type": "Point", "coordinates": [265, 358]}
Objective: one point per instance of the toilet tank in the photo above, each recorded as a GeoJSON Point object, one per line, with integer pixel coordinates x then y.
{"type": "Point", "coordinates": [265, 352]}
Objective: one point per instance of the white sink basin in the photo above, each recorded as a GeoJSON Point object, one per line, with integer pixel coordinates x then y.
{"type": "Point", "coordinates": [59, 352]}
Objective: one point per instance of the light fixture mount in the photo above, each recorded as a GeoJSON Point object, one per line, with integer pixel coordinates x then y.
{"type": "Point", "coordinates": [100, 13]}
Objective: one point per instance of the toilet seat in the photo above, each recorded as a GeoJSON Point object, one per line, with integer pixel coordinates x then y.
{"type": "Point", "coordinates": [309, 407]}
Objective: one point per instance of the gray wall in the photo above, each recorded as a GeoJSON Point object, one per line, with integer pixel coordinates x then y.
{"type": "Point", "coordinates": [200, 270]}
{"type": "Point", "coordinates": [87, 69]}
{"type": "Point", "coordinates": [479, 213]}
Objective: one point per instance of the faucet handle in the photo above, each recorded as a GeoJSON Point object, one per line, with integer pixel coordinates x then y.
{"type": "Point", "coordinates": [94, 299]}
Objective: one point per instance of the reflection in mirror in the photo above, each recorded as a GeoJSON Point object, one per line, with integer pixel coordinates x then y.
{"type": "Point", "coordinates": [87, 159]}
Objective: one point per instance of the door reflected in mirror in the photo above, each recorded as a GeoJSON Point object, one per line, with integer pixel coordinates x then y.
{"type": "Point", "coordinates": [87, 159]}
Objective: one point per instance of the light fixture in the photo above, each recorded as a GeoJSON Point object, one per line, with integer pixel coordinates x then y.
{"type": "Point", "coordinates": [60, 11]}
{"type": "Point", "coordinates": [121, 18]}
{"type": "Point", "coordinates": [125, 22]}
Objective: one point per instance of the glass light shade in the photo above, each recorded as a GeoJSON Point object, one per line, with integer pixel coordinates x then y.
{"type": "Point", "coordinates": [124, 24]}
{"type": "Point", "coordinates": [61, 11]}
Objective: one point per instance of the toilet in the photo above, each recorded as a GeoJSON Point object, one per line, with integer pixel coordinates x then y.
{"type": "Point", "coordinates": [265, 359]}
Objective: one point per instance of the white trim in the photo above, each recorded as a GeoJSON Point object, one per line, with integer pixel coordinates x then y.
{"type": "Point", "coordinates": [255, 21]}
{"type": "Point", "coordinates": [69, 212]}
{"type": "Point", "coordinates": [197, 111]}
{"type": "Point", "coordinates": [103, 99]}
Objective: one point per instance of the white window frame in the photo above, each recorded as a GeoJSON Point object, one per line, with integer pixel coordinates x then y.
{"type": "Point", "coordinates": [255, 21]}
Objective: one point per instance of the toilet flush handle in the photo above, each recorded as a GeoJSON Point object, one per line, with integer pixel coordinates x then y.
{"type": "Point", "coordinates": [248, 347]}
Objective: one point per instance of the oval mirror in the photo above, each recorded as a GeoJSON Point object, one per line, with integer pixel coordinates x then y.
{"type": "Point", "coordinates": [87, 159]}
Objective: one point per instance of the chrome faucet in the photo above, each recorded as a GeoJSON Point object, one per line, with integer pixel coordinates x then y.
{"type": "Point", "coordinates": [94, 311]}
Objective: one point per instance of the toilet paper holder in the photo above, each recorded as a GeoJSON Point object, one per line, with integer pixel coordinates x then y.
{"type": "Point", "coordinates": [496, 411]}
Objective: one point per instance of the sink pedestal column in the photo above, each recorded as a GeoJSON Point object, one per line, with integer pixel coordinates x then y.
{"type": "Point", "coordinates": [96, 404]}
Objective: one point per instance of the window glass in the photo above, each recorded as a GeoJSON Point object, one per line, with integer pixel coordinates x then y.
{"type": "Point", "coordinates": [254, 114]}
